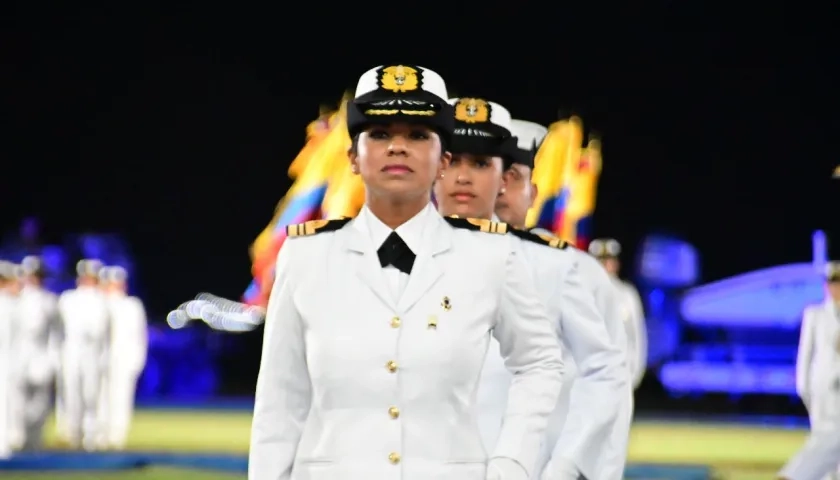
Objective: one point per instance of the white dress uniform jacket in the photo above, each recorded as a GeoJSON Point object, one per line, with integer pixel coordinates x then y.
{"type": "Point", "coordinates": [588, 348]}
{"type": "Point", "coordinates": [633, 314]}
{"type": "Point", "coordinates": [129, 345]}
{"type": "Point", "coordinates": [818, 365]}
{"type": "Point", "coordinates": [364, 378]}
{"type": "Point", "coordinates": [607, 461]}
{"type": "Point", "coordinates": [85, 320]}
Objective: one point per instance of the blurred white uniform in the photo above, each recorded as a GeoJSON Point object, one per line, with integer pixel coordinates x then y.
{"type": "Point", "coordinates": [129, 343]}
{"type": "Point", "coordinates": [37, 320]}
{"type": "Point", "coordinates": [564, 430]}
{"type": "Point", "coordinates": [633, 315]}
{"type": "Point", "coordinates": [6, 317]}
{"type": "Point", "coordinates": [85, 319]}
{"type": "Point", "coordinates": [818, 383]}
{"type": "Point", "coordinates": [631, 310]}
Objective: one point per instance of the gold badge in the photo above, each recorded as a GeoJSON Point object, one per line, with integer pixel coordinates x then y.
{"type": "Point", "coordinates": [432, 325]}
{"type": "Point", "coordinates": [399, 78]}
{"type": "Point", "coordinates": [445, 304]}
{"type": "Point", "coordinates": [472, 110]}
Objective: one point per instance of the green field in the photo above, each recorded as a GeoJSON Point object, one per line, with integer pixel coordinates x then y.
{"type": "Point", "coordinates": [737, 452]}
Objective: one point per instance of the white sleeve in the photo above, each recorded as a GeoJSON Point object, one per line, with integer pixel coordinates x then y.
{"type": "Point", "coordinates": [283, 386]}
{"type": "Point", "coordinates": [602, 375]}
{"type": "Point", "coordinates": [531, 351]}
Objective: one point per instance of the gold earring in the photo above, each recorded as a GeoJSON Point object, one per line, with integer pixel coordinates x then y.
{"type": "Point", "coordinates": [502, 190]}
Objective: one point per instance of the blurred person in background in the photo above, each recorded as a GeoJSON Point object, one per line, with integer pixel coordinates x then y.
{"type": "Point", "coordinates": [85, 322]}
{"type": "Point", "coordinates": [818, 363]}
{"type": "Point", "coordinates": [564, 430]}
{"type": "Point", "coordinates": [37, 338]}
{"type": "Point", "coordinates": [7, 311]}
{"type": "Point", "coordinates": [129, 345]}
{"type": "Point", "coordinates": [607, 251]}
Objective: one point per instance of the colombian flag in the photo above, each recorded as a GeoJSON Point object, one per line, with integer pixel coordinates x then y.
{"type": "Point", "coordinates": [575, 209]}
{"type": "Point", "coordinates": [311, 169]}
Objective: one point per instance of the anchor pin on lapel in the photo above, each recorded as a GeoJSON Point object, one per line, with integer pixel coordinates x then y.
{"type": "Point", "coordinates": [445, 304]}
{"type": "Point", "coordinates": [432, 325]}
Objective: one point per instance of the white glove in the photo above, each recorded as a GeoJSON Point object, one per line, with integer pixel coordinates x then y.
{"type": "Point", "coordinates": [218, 313]}
{"type": "Point", "coordinates": [505, 469]}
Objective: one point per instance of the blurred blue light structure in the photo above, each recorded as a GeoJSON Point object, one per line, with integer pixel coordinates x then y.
{"type": "Point", "coordinates": [743, 330]}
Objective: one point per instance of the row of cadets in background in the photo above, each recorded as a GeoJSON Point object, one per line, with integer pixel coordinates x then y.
{"type": "Point", "coordinates": [86, 347]}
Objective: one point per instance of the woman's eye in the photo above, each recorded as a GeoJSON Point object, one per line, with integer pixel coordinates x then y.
{"type": "Point", "coordinates": [419, 135]}
{"type": "Point", "coordinates": [378, 134]}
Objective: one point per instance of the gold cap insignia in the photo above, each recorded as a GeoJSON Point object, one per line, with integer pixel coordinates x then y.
{"type": "Point", "coordinates": [399, 78]}
{"type": "Point", "coordinates": [472, 110]}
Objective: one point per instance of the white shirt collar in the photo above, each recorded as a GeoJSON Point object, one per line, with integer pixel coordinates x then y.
{"type": "Point", "coordinates": [411, 231]}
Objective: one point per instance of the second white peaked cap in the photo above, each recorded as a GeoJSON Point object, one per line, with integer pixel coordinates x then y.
{"type": "Point", "coordinates": [527, 133]}
{"type": "Point", "coordinates": [478, 112]}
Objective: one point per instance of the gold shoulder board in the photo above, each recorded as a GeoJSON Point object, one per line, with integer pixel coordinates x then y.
{"type": "Point", "coordinates": [316, 226]}
{"type": "Point", "coordinates": [478, 224]}
{"type": "Point", "coordinates": [542, 239]}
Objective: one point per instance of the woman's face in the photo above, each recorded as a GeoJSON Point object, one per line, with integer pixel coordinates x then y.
{"type": "Point", "coordinates": [399, 160]}
{"type": "Point", "coordinates": [469, 186]}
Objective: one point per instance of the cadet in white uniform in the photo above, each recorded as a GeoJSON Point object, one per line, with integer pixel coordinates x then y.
{"type": "Point", "coordinates": [129, 344]}
{"type": "Point", "coordinates": [607, 251]}
{"type": "Point", "coordinates": [37, 333]}
{"type": "Point", "coordinates": [85, 321]}
{"type": "Point", "coordinates": [818, 378]}
{"type": "Point", "coordinates": [482, 150]}
{"type": "Point", "coordinates": [565, 431]}
{"type": "Point", "coordinates": [377, 327]}
{"type": "Point", "coordinates": [7, 307]}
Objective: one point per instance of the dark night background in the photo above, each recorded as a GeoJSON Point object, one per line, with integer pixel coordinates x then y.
{"type": "Point", "coordinates": [175, 128]}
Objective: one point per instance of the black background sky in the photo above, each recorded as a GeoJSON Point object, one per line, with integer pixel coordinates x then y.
{"type": "Point", "coordinates": [175, 128]}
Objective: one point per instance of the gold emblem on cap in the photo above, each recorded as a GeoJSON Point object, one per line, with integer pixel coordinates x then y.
{"type": "Point", "coordinates": [399, 78]}
{"type": "Point", "coordinates": [472, 110]}
{"type": "Point", "coordinates": [446, 304]}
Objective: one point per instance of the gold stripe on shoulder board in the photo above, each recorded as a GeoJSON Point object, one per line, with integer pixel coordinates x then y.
{"type": "Point", "coordinates": [489, 226]}
{"type": "Point", "coordinates": [554, 242]}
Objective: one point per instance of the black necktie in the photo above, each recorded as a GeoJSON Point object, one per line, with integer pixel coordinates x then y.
{"type": "Point", "coordinates": [395, 252]}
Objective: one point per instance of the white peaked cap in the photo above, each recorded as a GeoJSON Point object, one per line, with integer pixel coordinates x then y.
{"type": "Point", "coordinates": [832, 270]}
{"type": "Point", "coordinates": [401, 78]}
{"type": "Point", "coordinates": [117, 274]}
{"type": "Point", "coordinates": [478, 110]}
{"type": "Point", "coordinates": [527, 133]}
{"type": "Point", "coordinates": [88, 268]}
{"type": "Point", "coordinates": [605, 247]}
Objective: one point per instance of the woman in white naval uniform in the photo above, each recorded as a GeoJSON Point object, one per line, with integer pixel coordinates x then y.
{"type": "Point", "coordinates": [818, 375]}
{"type": "Point", "coordinates": [566, 432]}
{"type": "Point", "coordinates": [369, 372]}
{"type": "Point", "coordinates": [482, 150]}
